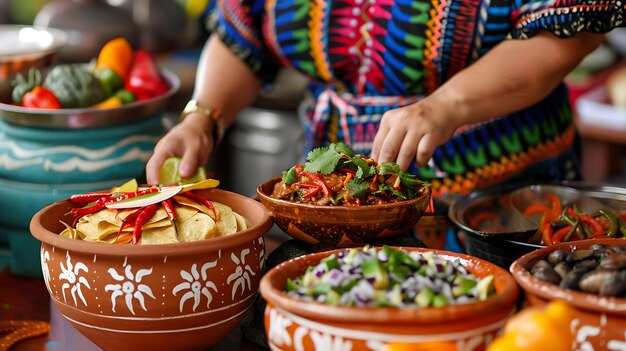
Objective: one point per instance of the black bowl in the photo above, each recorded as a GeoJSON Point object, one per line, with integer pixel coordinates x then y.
{"type": "Point", "coordinates": [508, 242]}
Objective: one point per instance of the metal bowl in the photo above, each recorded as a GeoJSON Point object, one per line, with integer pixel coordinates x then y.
{"type": "Point", "coordinates": [510, 240]}
{"type": "Point", "coordinates": [78, 118]}
{"type": "Point", "coordinates": [24, 47]}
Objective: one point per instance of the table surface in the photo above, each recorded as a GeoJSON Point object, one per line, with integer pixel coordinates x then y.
{"type": "Point", "coordinates": [23, 298]}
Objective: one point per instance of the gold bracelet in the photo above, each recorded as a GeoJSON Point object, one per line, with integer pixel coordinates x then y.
{"type": "Point", "coordinates": [217, 125]}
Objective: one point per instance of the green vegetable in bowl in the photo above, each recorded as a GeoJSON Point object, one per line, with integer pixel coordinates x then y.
{"type": "Point", "coordinates": [74, 86]}
{"type": "Point", "coordinates": [22, 85]}
{"type": "Point", "coordinates": [388, 277]}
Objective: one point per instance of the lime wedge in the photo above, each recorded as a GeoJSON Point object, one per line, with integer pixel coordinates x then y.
{"type": "Point", "coordinates": [169, 174]}
{"type": "Point", "coordinates": [127, 187]}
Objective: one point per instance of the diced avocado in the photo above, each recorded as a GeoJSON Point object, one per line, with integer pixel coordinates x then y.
{"type": "Point", "coordinates": [331, 262]}
{"type": "Point", "coordinates": [439, 300]}
{"type": "Point", "coordinates": [350, 256]}
{"type": "Point", "coordinates": [291, 285]}
{"type": "Point", "coordinates": [332, 297]}
{"type": "Point", "coordinates": [395, 297]}
{"type": "Point", "coordinates": [485, 287]}
{"type": "Point", "coordinates": [462, 286]}
{"type": "Point", "coordinates": [310, 279]}
{"type": "Point", "coordinates": [425, 297]}
{"type": "Point", "coordinates": [322, 288]}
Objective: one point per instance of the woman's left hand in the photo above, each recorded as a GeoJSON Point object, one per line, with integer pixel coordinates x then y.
{"type": "Point", "coordinates": [413, 132]}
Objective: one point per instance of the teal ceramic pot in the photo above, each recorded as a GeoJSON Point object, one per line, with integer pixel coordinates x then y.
{"type": "Point", "coordinates": [19, 202]}
{"type": "Point", "coordinates": [66, 156]}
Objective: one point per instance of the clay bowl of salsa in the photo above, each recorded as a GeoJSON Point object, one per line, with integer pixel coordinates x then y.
{"type": "Point", "coordinates": [343, 226]}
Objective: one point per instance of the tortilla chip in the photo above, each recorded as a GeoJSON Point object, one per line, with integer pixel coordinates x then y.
{"type": "Point", "coordinates": [242, 223]}
{"type": "Point", "coordinates": [198, 227]}
{"type": "Point", "coordinates": [163, 235]}
{"type": "Point", "coordinates": [227, 223]}
{"type": "Point", "coordinates": [71, 233]}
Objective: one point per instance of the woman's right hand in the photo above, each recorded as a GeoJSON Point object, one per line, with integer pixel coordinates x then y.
{"type": "Point", "coordinates": [191, 140]}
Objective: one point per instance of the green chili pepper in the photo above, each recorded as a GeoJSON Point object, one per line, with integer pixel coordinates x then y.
{"type": "Point", "coordinates": [21, 85]}
{"type": "Point", "coordinates": [574, 229]}
{"type": "Point", "coordinates": [613, 223]}
{"type": "Point", "coordinates": [125, 96]}
{"type": "Point", "coordinates": [110, 81]}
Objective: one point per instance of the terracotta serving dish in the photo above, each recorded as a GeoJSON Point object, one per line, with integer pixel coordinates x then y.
{"type": "Point", "coordinates": [183, 296]}
{"type": "Point", "coordinates": [599, 321]}
{"type": "Point", "coordinates": [340, 226]}
{"type": "Point", "coordinates": [294, 324]}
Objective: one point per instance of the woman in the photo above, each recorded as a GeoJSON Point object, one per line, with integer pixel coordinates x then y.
{"type": "Point", "coordinates": [466, 93]}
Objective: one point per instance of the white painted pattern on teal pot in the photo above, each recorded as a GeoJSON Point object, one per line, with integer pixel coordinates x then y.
{"type": "Point", "coordinates": [57, 156]}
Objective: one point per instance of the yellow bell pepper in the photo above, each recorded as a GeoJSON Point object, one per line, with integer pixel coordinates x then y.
{"type": "Point", "coordinates": [538, 328]}
{"type": "Point", "coordinates": [111, 102]}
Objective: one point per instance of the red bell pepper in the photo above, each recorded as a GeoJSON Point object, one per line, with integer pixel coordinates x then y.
{"type": "Point", "coordinates": [144, 79]}
{"type": "Point", "coordinates": [40, 97]}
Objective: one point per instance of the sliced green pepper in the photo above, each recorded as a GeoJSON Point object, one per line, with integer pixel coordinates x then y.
{"type": "Point", "coordinates": [110, 81]}
{"type": "Point", "coordinates": [126, 96]}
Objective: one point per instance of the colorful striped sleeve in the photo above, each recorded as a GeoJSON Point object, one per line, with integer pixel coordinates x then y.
{"type": "Point", "coordinates": [565, 18]}
{"type": "Point", "coordinates": [238, 24]}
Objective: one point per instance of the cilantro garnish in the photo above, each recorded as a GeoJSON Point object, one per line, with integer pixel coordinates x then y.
{"type": "Point", "coordinates": [358, 187]}
{"type": "Point", "coordinates": [322, 160]}
{"type": "Point", "coordinates": [340, 157]}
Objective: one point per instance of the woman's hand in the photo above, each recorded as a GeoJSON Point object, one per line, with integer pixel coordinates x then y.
{"type": "Point", "coordinates": [223, 82]}
{"type": "Point", "coordinates": [413, 132]}
{"type": "Point", "coordinates": [190, 140]}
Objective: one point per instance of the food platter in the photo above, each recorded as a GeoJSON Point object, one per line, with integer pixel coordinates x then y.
{"type": "Point", "coordinates": [505, 246]}
{"type": "Point", "coordinates": [78, 118]}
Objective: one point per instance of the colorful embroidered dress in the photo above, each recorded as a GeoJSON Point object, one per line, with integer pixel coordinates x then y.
{"type": "Point", "coordinates": [368, 56]}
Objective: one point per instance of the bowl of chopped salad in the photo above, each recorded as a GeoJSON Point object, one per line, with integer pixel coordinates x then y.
{"type": "Point", "coordinates": [368, 297]}
{"type": "Point", "coordinates": [342, 199]}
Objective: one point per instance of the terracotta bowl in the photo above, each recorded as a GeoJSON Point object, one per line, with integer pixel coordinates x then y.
{"type": "Point", "coordinates": [294, 324]}
{"type": "Point", "coordinates": [599, 321]}
{"type": "Point", "coordinates": [184, 296]}
{"type": "Point", "coordinates": [339, 226]}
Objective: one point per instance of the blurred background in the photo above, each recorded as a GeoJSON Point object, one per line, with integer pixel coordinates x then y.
{"type": "Point", "coordinates": [267, 137]}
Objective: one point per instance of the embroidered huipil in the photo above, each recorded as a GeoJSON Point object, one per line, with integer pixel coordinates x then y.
{"type": "Point", "coordinates": [365, 57]}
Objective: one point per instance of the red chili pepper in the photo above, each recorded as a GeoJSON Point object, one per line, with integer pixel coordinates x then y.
{"type": "Point", "coordinates": [129, 195]}
{"type": "Point", "coordinates": [374, 181]}
{"type": "Point", "coordinates": [320, 180]}
{"type": "Point", "coordinates": [597, 227]}
{"type": "Point", "coordinates": [40, 97]}
{"type": "Point", "coordinates": [555, 205]}
{"type": "Point", "coordinates": [89, 197]}
{"type": "Point", "coordinates": [168, 206]}
{"type": "Point", "coordinates": [130, 218]}
{"type": "Point", "coordinates": [312, 193]}
{"type": "Point", "coordinates": [558, 236]}
{"type": "Point", "coordinates": [144, 79]}
{"type": "Point", "coordinates": [537, 209]}
{"type": "Point", "coordinates": [203, 200]}
{"type": "Point", "coordinates": [306, 185]}
{"type": "Point", "coordinates": [546, 235]}
{"type": "Point", "coordinates": [89, 209]}
{"type": "Point", "coordinates": [142, 218]}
